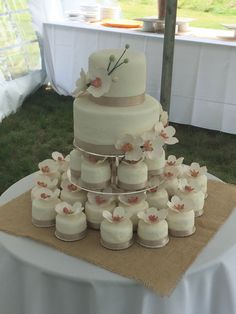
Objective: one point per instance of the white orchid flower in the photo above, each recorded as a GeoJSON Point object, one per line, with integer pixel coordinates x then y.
{"type": "Point", "coordinates": [164, 118]}
{"type": "Point", "coordinates": [100, 199]}
{"type": "Point", "coordinates": [170, 172]}
{"type": "Point", "coordinates": [69, 187]}
{"type": "Point", "coordinates": [43, 181]}
{"type": "Point", "coordinates": [166, 133]}
{"type": "Point", "coordinates": [132, 199]}
{"type": "Point", "coordinates": [66, 209]}
{"type": "Point", "coordinates": [46, 194]}
{"type": "Point", "coordinates": [194, 170]}
{"type": "Point", "coordinates": [62, 161]}
{"type": "Point", "coordinates": [186, 187]}
{"type": "Point", "coordinates": [130, 146]}
{"type": "Point", "coordinates": [152, 215]}
{"type": "Point", "coordinates": [48, 166]}
{"type": "Point", "coordinates": [81, 85]}
{"type": "Point", "coordinates": [117, 216]}
{"type": "Point", "coordinates": [179, 205]}
{"type": "Point", "coordinates": [100, 82]}
{"type": "Point", "coordinates": [173, 161]}
{"type": "Point", "coordinates": [152, 145]}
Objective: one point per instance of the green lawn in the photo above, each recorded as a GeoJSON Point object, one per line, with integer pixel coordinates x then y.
{"type": "Point", "coordinates": [45, 124]}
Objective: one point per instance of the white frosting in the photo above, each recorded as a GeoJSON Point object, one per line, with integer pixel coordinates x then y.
{"type": "Point", "coordinates": [156, 164]}
{"type": "Point", "coordinates": [75, 160]}
{"type": "Point", "coordinates": [94, 212]}
{"type": "Point", "coordinates": [130, 78]}
{"type": "Point", "coordinates": [154, 231]}
{"type": "Point", "coordinates": [116, 233]}
{"type": "Point", "coordinates": [158, 199]}
{"type": "Point", "coordinates": [72, 197]}
{"type": "Point", "coordinates": [71, 224]}
{"type": "Point", "coordinates": [201, 181]}
{"type": "Point", "coordinates": [103, 125]}
{"type": "Point", "coordinates": [132, 211]}
{"type": "Point", "coordinates": [95, 172]}
{"type": "Point", "coordinates": [44, 210]}
{"type": "Point", "coordinates": [171, 185]}
{"type": "Point", "coordinates": [132, 173]}
{"type": "Point", "coordinates": [181, 221]}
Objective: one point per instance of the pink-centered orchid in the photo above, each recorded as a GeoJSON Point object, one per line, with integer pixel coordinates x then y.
{"type": "Point", "coordinates": [152, 145]}
{"type": "Point", "coordinates": [48, 167]}
{"type": "Point", "coordinates": [173, 161]}
{"type": "Point", "coordinates": [185, 187]}
{"type": "Point", "coordinates": [99, 82]}
{"type": "Point", "coordinates": [194, 170]}
{"type": "Point", "coordinates": [43, 181]}
{"type": "Point", "coordinates": [117, 216]}
{"type": "Point", "coordinates": [152, 215]}
{"type": "Point", "coordinates": [166, 133]}
{"type": "Point", "coordinates": [62, 161]}
{"type": "Point", "coordinates": [132, 199]}
{"type": "Point", "coordinates": [65, 209]}
{"type": "Point", "coordinates": [46, 194]}
{"type": "Point", "coordinates": [100, 199]}
{"type": "Point", "coordinates": [179, 205]}
{"type": "Point", "coordinates": [130, 146]}
{"type": "Point", "coordinates": [81, 85]}
{"type": "Point", "coordinates": [69, 187]}
{"type": "Point", "coordinates": [170, 172]}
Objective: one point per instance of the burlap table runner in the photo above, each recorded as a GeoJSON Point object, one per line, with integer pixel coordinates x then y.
{"type": "Point", "coordinates": [158, 269]}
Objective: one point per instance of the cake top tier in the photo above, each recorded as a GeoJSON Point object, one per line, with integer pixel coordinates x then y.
{"type": "Point", "coordinates": [122, 72]}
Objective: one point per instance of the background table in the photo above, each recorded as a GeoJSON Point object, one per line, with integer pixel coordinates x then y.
{"type": "Point", "coordinates": [36, 279]}
{"type": "Point", "coordinates": [203, 89]}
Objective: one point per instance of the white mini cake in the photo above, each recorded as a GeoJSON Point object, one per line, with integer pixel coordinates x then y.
{"type": "Point", "coordinates": [157, 197]}
{"type": "Point", "coordinates": [197, 175]}
{"type": "Point", "coordinates": [156, 166]}
{"type": "Point", "coordinates": [95, 175]}
{"type": "Point", "coordinates": [132, 176]}
{"type": "Point", "coordinates": [171, 181]}
{"type": "Point", "coordinates": [71, 194]}
{"type": "Point", "coordinates": [153, 228]}
{"type": "Point", "coordinates": [70, 222]}
{"type": "Point", "coordinates": [194, 194]}
{"type": "Point", "coordinates": [43, 207]}
{"type": "Point", "coordinates": [75, 163]}
{"type": "Point", "coordinates": [49, 168]}
{"type": "Point", "coordinates": [95, 206]}
{"type": "Point", "coordinates": [133, 204]}
{"type": "Point", "coordinates": [116, 230]}
{"type": "Point", "coordinates": [181, 218]}
{"type": "Point", "coordinates": [44, 182]}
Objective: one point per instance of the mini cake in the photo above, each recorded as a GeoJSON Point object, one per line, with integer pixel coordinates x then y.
{"type": "Point", "coordinates": [116, 230]}
{"type": "Point", "coordinates": [171, 182]}
{"type": "Point", "coordinates": [172, 161]}
{"type": "Point", "coordinates": [49, 168]}
{"type": "Point", "coordinates": [70, 222]}
{"type": "Point", "coordinates": [197, 175]}
{"type": "Point", "coordinates": [95, 206]}
{"type": "Point", "coordinates": [43, 207]}
{"type": "Point", "coordinates": [44, 182]}
{"type": "Point", "coordinates": [132, 176]}
{"type": "Point", "coordinates": [180, 218]}
{"type": "Point", "coordinates": [63, 162]}
{"type": "Point", "coordinates": [95, 174]}
{"type": "Point", "coordinates": [133, 204]}
{"type": "Point", "coordinates": [75, 163]}
{"type": "Point", "coordinates": [156, 166]}
{"type": "Point", "coordinates": [71, 194]}
{"type": "Point", "coordinates": [152, 228]}
{"type": "Point", "coordinates": [194, 194]}
{"type": "Point", "coordinates": [157, 196]}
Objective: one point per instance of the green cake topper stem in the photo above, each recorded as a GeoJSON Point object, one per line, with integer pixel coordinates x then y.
{"type": "Point", "coordinates": [118, 63]}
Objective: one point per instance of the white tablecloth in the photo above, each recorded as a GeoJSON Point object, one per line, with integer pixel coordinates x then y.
{"type": "Point", "coordinates": [36, 279]}
{"type": "Point", "coordinates": [204, 78]}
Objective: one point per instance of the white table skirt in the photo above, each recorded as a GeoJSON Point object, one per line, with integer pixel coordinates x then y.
{"type": "Point", "coordinates": [203, 89]}
{"type": "Point", "coordinates": [37, 279]}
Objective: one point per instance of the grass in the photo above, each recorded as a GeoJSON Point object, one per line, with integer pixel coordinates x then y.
{"type": "Point", "coordinates": [208, 13]}
{"type": "Point", "coordinates": [45, 124]}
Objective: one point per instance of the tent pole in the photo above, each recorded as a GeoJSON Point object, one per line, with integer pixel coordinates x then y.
{"type": "Point", "coordinates": [168, 53]}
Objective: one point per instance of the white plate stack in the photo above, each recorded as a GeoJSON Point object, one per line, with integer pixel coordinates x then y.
{"type": "Point", "coordinates": [89, 13]}
{"type": "Point", "coordinates": [109, 12]}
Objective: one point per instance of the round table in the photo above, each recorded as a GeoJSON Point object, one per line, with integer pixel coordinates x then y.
{"type": "Point", "coordinates": [37, 279]}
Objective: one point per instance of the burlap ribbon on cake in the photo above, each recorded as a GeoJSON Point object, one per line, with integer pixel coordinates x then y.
{"type": "Point", "coordinates": [158, 269]}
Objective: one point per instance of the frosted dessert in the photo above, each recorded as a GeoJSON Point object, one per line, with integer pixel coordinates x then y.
{"type": "Point", "coordinates": [71, 193]}
{"type": "Point", "coordinates": [43, 181]}
{"type": "Point", "coordinates": [75, 163]}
